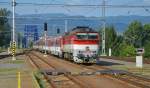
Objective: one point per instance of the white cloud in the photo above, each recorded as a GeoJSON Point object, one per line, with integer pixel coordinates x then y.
{"type": "Point", "coordinates": [146, 1]}
{"type": "Point", "coordinates": [74, 1]}
{"type": "Point", "coordinates": [82, 1]}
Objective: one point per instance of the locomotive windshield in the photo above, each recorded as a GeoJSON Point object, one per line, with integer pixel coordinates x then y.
{"type": "Point", "coordinates": [86, 36]}
{"type": "Point", "coordinates": [92, 36]}
{"type": "Point", "coordinates": [82, 36]}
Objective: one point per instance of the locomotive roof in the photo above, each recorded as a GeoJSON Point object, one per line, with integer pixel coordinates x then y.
{"type": "Point", "coordinates": [80, 29]}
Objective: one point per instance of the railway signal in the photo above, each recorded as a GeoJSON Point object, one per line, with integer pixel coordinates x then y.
{"type": "Point", "coordinates": [13, 49]}
{"type": "Point", "coordinates": [45, 26]}
{"type": "Point", "coordinates": [58, 31]}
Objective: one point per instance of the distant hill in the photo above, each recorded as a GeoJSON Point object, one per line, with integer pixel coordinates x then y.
{"type": "Point", "coordinates": [120, 22]}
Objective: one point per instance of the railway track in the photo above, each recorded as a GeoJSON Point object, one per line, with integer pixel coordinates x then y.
{"type": "Point", "coordinates": [9, 55]}
{"type": "Point", "coordinates": [4, 56]}
{"type": "Point", "coordinates": [62, 80]}
{"type": "Point", "coordinates": [128, 78]}
{"type": "Point", "coordinates": [127, 59]}
{"type": "Point", "coordinates": [124, 76]}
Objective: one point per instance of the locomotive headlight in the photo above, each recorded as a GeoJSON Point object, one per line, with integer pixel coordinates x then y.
{"type": "Point", "coordinates": [80, 56]}
{"type": "Point", "coordinates": [94, 52]}
{"type": "Point", "coordinates": [95, 56]}
{"type": "Point", "coordinates": [79, 52]}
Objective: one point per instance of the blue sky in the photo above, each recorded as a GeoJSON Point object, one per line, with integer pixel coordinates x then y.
{"type": "Point", "coordinates": [81, 11]}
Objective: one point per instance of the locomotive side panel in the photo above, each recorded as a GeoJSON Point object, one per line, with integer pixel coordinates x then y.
{"type": "Point", "coordinates": [68, 44]}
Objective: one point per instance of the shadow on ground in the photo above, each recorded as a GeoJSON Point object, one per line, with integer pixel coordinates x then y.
{"type": "Point", "coordinates": [8, 55]}
{"type": "Point", "coordinates": [105, 63]}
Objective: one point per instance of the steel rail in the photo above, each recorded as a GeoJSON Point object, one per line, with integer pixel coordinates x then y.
{"type": "Point", "coordinates": [74, 79]}
{"type": "Point", "coordinates": [130, 78]}
{"type": "Point", "coordinates": [45, 75]}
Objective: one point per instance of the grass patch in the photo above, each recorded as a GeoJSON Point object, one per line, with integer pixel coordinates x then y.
{"type": "Point", "coordinates": [39, 77]}
{"type": "Point", "coordinates": [15, 62]}
{"type": "Point", "coordinates": [8, 70]}
{"type": "Point", "coordinates": [139, 71]}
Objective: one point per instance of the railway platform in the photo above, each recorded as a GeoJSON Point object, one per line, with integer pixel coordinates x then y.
{"type": "Point", "coordinates": [9, 72]}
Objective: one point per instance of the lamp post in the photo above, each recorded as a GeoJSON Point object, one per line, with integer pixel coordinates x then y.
{"type": "Point", "coordinates": [45, 37]}
{"type": "Point", "coordinates": [66, 26]}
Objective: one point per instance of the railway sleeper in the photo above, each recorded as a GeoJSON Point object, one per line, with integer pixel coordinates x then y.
{"type": "Point", "coordinates": [54, 72]}
{"type": "Point", "coordinates": [111, 72]}
{"type": "Point", "coordinates": [87, 73]}
{"type": "Point", "coordinates": [57, 82]}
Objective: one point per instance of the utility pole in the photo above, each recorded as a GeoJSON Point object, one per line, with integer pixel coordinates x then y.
{"type": "Point", "coordinates": [45, 36]}
{"type": "Point", "coordinates": [103, 30]}
{"type": "Point", "coordinates": [66, 26]}
{"type": "Point", "coordinates": [13, 34]}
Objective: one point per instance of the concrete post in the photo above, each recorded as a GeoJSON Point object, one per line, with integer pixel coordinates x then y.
{"type": "Point", "coordinates": [139, 61]}
{"type": "Point", "coordinates": [109, 51]}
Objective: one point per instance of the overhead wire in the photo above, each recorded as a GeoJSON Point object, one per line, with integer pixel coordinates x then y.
{"type": "Point", "coordinates": [75, 5]}
{"type": "Point", "coordinates": [55, 18]}
{"type": "Point", "coordinates": [81, 5]}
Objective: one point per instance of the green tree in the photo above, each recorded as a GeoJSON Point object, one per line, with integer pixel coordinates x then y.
{"type": "Point", "coordinates": [117, 46]}
{"type": "Point", "coordinates": [146, 40]}
{"type": "Point", "coordinates": [111, 38]}
{"type": "Point", "coordinates": [5, 33]}
{"type": "Point", "coordinates": [147, 49]}
{"type": "Point", "coordinates": [134, 34]}
{"type": "Point", "coordinates": [146, 33]}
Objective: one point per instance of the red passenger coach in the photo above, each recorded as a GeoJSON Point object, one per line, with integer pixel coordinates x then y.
{"type": "Point", "coordinates": [80, 45]}
{"type": "Point", "coordinates": [56, 46]}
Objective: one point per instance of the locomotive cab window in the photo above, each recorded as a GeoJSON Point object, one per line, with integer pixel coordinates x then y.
{"type": "Point", "coordinates": [92, 36]}
{"type": "Point", "coordinates": [87, 36]}
{"type": "Point", "coordinates": [82, 36]}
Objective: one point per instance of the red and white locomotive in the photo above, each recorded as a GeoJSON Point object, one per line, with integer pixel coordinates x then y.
{"type": "Point", "coordinates": [80, 45]}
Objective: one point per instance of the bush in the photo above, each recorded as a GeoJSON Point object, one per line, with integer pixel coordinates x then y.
{"type": "Point", "coordinates": [147, 49]}
{"type": "Point", "coordinates": [127, 50]}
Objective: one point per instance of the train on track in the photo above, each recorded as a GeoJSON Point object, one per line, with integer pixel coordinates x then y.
{"type": "Point", "coordinates": [81, 45]}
